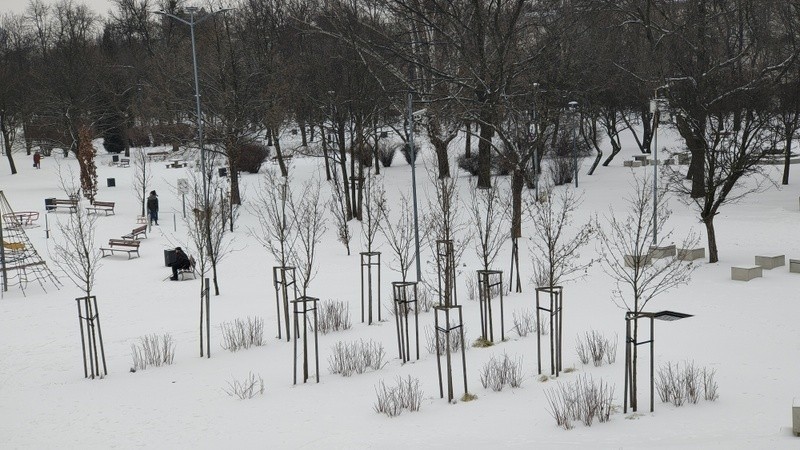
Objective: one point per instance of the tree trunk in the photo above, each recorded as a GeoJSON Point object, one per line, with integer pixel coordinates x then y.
{"type": "Point", "coordinates": [615, 148]}
{"type": "Point", "coordinates": [634, 369]}
{"type": "Point", "coordinates": [485, 156]}
{"type": "Point", "coordinates": [468, 140]}
{"type": "Point", "coordinates": [28, 139]}
{"type": "Point", "coordinates": [695, 142]}
{"type": "Point", "coordinates": [787, 156]}
{"type": "Point", "coordinates": [236, 198]}
{"type": "Point", "coordinates": [7, 143]}
{"type": "Point", "coordinates": [517, 183]}
{"type": "Point", "coordinates": [279, 155]}
{"type": "Point", "coordinates": [303, 138]}
{"type": "Point", "coordinates": [214, 275]}
{"type": "Point", "coordinates": [343, 167]}
{"type": "Point", "coordinates": [325, 155]}
{"type": "Point", "coordinates": [713, 254]}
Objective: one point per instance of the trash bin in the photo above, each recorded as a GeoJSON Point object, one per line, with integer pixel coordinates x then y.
{"type": "Point", "coordinates": [169, 256]}
{"type": "Point", "coordinates": [223, 171]}
{"type": "Point", "coordinates": [49, 204]}
{"type": "Point", "coordinates": [111, 182]}
{"type": "Point", "coordinates": [115, 158]}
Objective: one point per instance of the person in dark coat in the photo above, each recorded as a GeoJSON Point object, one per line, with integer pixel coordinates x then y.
{"type": "Point", "coordinates": [37, 160]}
{"type": "Point", "coordinates": [152, 207]}
{"type": "Point", "coordinates": [181, 262]}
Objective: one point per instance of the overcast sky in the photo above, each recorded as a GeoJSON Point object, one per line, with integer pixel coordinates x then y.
{"type": "Point", "coordinates": [18, 6]}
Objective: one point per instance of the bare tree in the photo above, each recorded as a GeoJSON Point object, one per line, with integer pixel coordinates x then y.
{"type": "Point", "coordinates": [626, 256]}
{"type": "Point", "coordinates": [555, 251]}
{"type": "Point", "coordinates": [309, 227]}
{"type": "Point", "coordinates": [489, 217]}
{"type": "Point", "coordinates": [207, 227]}
{"type": "Point", "coordinates": [374, 212]}
{"type": "Point", "coordinates": [735, 146]}
{"type": "Point", "coordinates": [399, 233]}
{"type": "Point", "coordinates": [76, 254]}
{"type": "Point", "coordinates": [444, 220]}
{"type": "Point", "coordinates": [141, 176]}
{"type": "Point", "coordinates": [275, 226]}
{"type": "Point", "coordinates": [338, 207]}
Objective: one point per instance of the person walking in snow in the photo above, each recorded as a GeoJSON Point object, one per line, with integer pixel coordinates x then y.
{"type": "Point", "coordinates": [152, 208]}
{"type": "Point", "coordinates": [37, 159]}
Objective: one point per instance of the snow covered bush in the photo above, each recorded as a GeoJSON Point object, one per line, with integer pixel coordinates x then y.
{"type": "Point", "coordinates": [152, 350]}
{"type": "Point", "coordinates": [524, 322]}
{"type": "Point", "coordinates": [394, 399]}
{"type": "Point", "coordinates": [455, 341]}
{"type": "Point", "coordinates": [584, 400]}
{"type": "Point", "coordinates": [246, 389]}
{"type": "Point", "coordinates": [386, 152]}
{"type": "Point", "coordinates": [595, 347]}
{"type": "Point", "coordinates": [498, 373]}
{"type": "Point", "coordinates": [242, 334]}
{"type": "Point", "coordinates": [680, 383]}
{"type": "Point", "coordinates": [333, 315]}
{"type": "Point", "coordinates": [356, 357]}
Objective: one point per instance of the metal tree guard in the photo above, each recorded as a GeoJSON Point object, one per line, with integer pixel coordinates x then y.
{"type": "Point", "coordinates": [368, 261]}
{"type": "Point", "coordinates": [284, 278]}
{"type": "Point", "coordinates": [91, 337]}
{"type": "Point", "coordinates": [489, 280]}
{"type": "Point", "coordinates": [301, 307]}
{"type": "Point", "coordinates": [205, 320]}
{"type": "Point", "coordinates": [555, 294]}
{"type": "Point", "coordinates": [405, 298]}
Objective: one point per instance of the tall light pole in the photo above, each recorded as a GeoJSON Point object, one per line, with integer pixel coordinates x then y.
{"type": "Point", "coordinates": [534, 138]}
{"type": "Point", "coordinates": [655, 109]}
{"type": "Point", "coordinates": [413, 155]}
{"type": "Point", "coordinates": [573, 108]}
{"type": "Point", "coordinates": [192, 10]}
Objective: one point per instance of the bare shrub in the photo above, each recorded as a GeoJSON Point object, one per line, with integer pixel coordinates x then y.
{"type": "Point", "coordinates": [680, 383]}
{"type": "Point", "coordinates": [152, 350]}
{"type": "Point", "coordinates": [392, 400]}
{"type": "Point", "coordinates": [246, 389]}
{"type": "Point", "coordinates": [472, 289]}
{"type": "Point", "coordinates": [454, 341]}
{"type": "Point", "coordinates": [242, 334]}
{"type": "Point", "coordinates": [595, 347]}
{"type": "Point", "coordinates": [584, 400]}
{"type": "Point", "coordinates": [356, 357]}
{"type": "Point", "coordinates": [498, 373]}
{"type": "Point", "coordinates": [338, 207]}
{"type": "Point", "coordinates": [524, 322]}
{"type": "Point", "coordinates": [333, 316]}
{"type": "Point", "coordinates": [709, 385]}
{"type": "Point", "coordinates": [249, 157]}
{"type": "Point", "coordinates": [386, 152]}
{"type": "Point", "coordinates": [425, 299]}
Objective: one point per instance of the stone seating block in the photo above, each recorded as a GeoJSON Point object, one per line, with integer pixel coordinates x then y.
{"type": "Point", "coordinates": [771, 261]}
{"type": "Point", "coordinates": [745, 273]}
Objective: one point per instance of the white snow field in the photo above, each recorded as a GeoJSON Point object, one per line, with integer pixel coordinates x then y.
{"type": "Point", "coordinates": [747, 331]}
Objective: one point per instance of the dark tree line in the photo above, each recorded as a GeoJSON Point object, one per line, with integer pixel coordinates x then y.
{"type": "Point", "coordinates": [500, 73]}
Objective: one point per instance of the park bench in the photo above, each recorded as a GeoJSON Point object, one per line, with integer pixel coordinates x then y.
{"type": "Point", "coordinates": [157, 156]}
{"type": "Point", "coordinates": [176, 164]}
{"type": "Point", "coordinates": [183, 273]}
{"type": "Point", "coordinates": [13, 246]}
{"type": "Point", "coordinates": [745, 273]}
{"type": "Point", "coordinates": [129, 246]}
{"type": "Point", "coordinates": [136, 232]}
{"type": "Point", "coordinates": [124, 162]}
{"type": "Point", "coordinates": [22, 218]}
{"type": "Point", "coordinates": [71, 203]}
{"type": "Point", "coordinates": [107, 207]}
{"type": "Point", "coordinates": [771, 261]}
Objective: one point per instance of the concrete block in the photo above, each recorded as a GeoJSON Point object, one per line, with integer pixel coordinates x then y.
{"type": "Point", "coordinates": [690, 254]}
{"type": "Point", "coordinates": [794, 265]}
{"type": "Point", "coordinates": [662, 251]}
{"type": "Point", "coordinates": [632, 164]}
{"type": "Point", "coordinates": [796, 416]}
{"type": "Point", "coordinates": [630, 260]}
{"type": "Point", "coordinates": [745, 273]}
{"type": "Point", "coordinates": [641, 158]}
{"type": "Point", "coordinates": [771, 261]}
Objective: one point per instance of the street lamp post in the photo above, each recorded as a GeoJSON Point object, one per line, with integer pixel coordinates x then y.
{"type": "Point", "coordinates": [534, 137]}
{"type": "Point", "coordinates": [573, 108]}
{"type": "Point", "coordinates": [655, 109]}
{"type": "Point", "coordinates": [192, 10]}
{"type": "Point", "coordinates": [412, 152]}
{"type": "Point", "coordinates": [631, 343]}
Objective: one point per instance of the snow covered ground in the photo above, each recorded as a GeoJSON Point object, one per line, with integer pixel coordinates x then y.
{"type": "Point", "coordinates": [747, 332]}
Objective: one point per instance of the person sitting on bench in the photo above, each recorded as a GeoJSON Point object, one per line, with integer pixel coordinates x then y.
{"type": "Point", "coordinates": [181, 262]}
